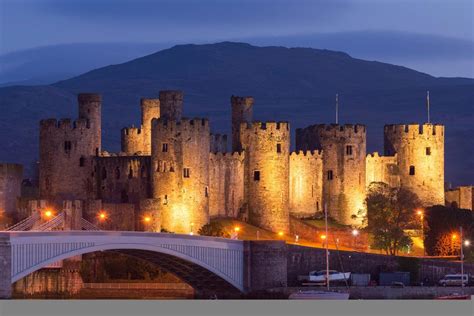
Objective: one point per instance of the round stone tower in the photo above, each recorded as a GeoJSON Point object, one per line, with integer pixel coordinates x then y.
{"type": "Point", "coordinates": [67, 149]}
{"type": "Point", "coordinates": [344, 151]}
{"type": "Point", "coordinates": [171, 104]}
{"type": "Point", "coordinates": [150, 110]}
{"type": "Point", "coordinates": [242, 112]}
{"type": "Point", "coordinates": [266, 178]}
{"type": "Point", "coordinates": [180, 172]}
{"type": "Point", "coordinates": [420, 157]}
{"type": "Point", "coordinates": [90, 109]}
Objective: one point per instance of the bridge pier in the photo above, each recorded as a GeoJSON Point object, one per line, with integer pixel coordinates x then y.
{"type": "Point", "coordinates": [5, 268]}
{"type": "Point", "coordinates": [265, 265]}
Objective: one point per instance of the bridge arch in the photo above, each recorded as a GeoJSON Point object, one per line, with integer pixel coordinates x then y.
{"type": "Point", "coordinates": [206, 263]}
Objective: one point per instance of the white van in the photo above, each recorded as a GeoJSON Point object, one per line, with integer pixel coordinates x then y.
{"type": "Point", "coordinates": [454, 280]}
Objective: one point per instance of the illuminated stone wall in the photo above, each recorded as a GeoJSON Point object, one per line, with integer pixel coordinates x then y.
{"type": "Point", "coordinates": [382, 169]}
{"type": "Point", "coordinates": [180, 172]}
{"type": "Point", "coordinates": [137, 140]}
{"type": "Point", "coordinates": [11, 176]}
{"type": "Point", "coordinates": [67, 149]}
{"type": "Point", "coordinates": [344, 155]}
{"type": "Point", "coordinates": [266, 147]}
{"type": "Point", "coordinates": [420, 158]}
{"type": "Point", "coordinates": [461, 197]}
{"type": "Point", "coordinates": [306, 183]}
{"type": "Point", "coordinates": [226, 184]}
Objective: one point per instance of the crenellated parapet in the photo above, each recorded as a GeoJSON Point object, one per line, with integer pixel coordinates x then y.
{"type": "Point", "coordinates": [420, 158]}
{"type": "Point", "coordinates": [242, 112]}
{"type": "Point", "coordinates": [218, 143]}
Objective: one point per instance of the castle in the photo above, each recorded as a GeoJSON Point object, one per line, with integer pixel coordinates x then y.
{"type": "Point", "coordinates": [174, 171]}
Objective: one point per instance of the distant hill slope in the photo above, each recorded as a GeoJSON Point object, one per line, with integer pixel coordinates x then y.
{"type": "Point", "coordinates": [295, 84]}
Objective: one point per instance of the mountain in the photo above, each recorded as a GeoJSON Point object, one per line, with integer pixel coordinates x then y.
{"type": "Point", "coordinates": [48, 64]}
{"type": "Point", "coordinates": [294, 84]}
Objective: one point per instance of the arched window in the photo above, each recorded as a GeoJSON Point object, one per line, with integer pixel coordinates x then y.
{"type": "Point", "coordinates": [130, 173]}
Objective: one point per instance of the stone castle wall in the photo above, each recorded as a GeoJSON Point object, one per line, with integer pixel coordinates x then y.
{"type": "Point", "coordinates": [226, 184]}
{"type": "Point", "coordinates": [242, 112]}
{"type": "Point", "coordinates": [11, 176]}
{"type": "Point", "coordinates": [122, 179]}
{"type": "Point", "coordinates": [344, 154]}
{"type": "Point", "coordinates": [267, 147]}
{"type": "Point", "coordinates": [67, 149]}
{"type": "Point", "coordinates": [461, 197]}
{"type": "Point", "coordinates": [180, 172]}
{"type": "Point", "coordinates": [137, 140]}
{"type": "Point", "coordinates": [218, 143]}
{"type": "Point", "coordinates": [420, 158]}
{"type": "Point", "coordinates": [306, 183]}
{"type": "Point", "coordinates": [382, 169]}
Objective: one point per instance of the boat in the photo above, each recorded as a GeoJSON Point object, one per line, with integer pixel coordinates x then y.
{"type": "Point", "coordinates": [318, 295]}
{"type": "Point", "coordinates": [334, 276]}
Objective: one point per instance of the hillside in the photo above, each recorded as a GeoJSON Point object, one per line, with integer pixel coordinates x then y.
{"type": "Point", "coordinates": [295, 84]}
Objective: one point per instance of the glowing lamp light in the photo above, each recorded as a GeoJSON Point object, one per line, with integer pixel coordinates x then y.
{"type": "Point", "coordinates": [355, 232]}
{"type": "Point", "coordinates": [467, 243]}
{"type": "Point", "coordinates": [102, 216]}
{"type": "Point", "coordinates": [236, 229]}
{"type": "Point", "coordinates": [323, 237]}
{"type": "Point", "coordinates": [453, 236]}
{"type": "Point", "coordinates": [48, 213]}
{"type": "Point", "coordinates": [280, 233]}
{"type": "Point", "coordinates": [419, 212]}
{"type": "Point", "coordinates": [147, 219]}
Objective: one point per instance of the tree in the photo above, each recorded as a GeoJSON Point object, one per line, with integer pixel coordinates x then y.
{"type": "Point", "coordinates": [214, 229]}
{"type": "Point", "coordinates": [442, 236]}
{"type": "Point", "coordinates": [389, 212]}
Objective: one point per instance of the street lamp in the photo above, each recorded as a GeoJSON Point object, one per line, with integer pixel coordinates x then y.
{"type": "Point", "coordinates": [102, 216]}
{"type": "Point", "coordinates": [280, 234]}
{"type": "Point", "coordinates": [355, 233]}
{"type": "Point", "coordinates": [463, 243]}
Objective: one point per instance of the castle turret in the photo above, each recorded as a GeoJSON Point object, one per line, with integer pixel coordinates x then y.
{"type": "Point", "coordinates": [67, 149]}
{"type": "Point", "coordinates": [420, 158]}
{"type": "Point", "coordinates": [180, 172]}
{"type": "Point", "coordinates": [266, 178]}
{"type": "Point", "coordinates": [242, 112]}
{"type": "Point", "coordinates": [344, 154]}
{"type": "Point", "coordinates": [171, 105]}
{"type": "Point", "coordinates": [90, 109]}
{"type": "Point", "coordinates": [150, 110]}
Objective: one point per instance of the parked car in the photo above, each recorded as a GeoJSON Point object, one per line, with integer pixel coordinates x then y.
{"type": "Point", "coordinates": [334, 276]}
{"type": "Point", "coordinates": [454, 280]}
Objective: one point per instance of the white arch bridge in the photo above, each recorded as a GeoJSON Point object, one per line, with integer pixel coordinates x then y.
{"type": "Point", "coordinates": [206, 263]}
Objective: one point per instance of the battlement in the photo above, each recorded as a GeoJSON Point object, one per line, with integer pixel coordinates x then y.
{"type": "Point", "coordinates": [89, 97]}
{"type": "Point", "coordinates": [219, 137]}
{"type": "Point", "coordinates": [183, 124]}
{"type": "Point", "coordinates": [258, 126]}
{"type": "Point", "coordinates": [306, 153]}
{"type": "Point", "coordinates": [412, 130]}
{"type": "Point", "coordinates": [376, 156]}
{"type": "Point", "coordinates": [131, 131]}
{"type": "Point", "coordinates": [64, 124]}
{"type": "Point", "coordinates": [227, 155]}
{"type": "Point", "coordinates": [346, 130]}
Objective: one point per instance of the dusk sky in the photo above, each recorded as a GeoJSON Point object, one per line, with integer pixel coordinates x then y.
{"type": "Point", "coordinates": [32, 23]}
